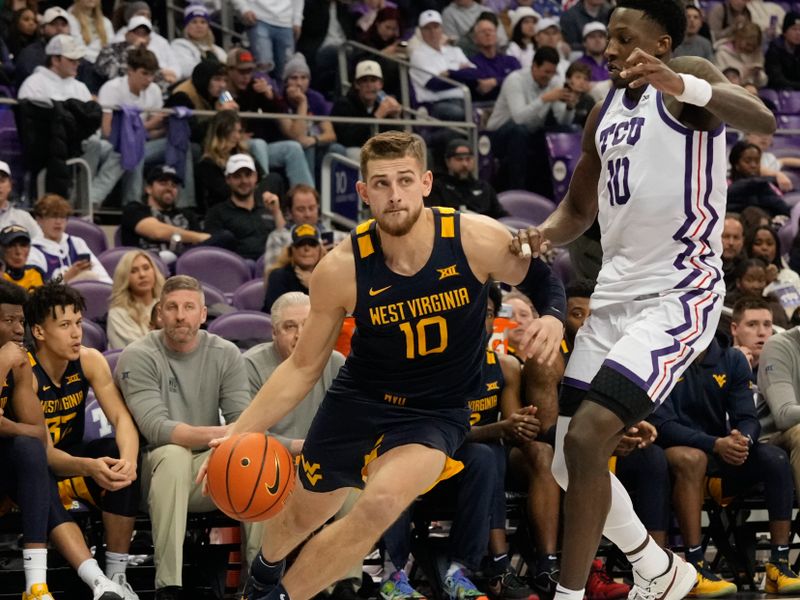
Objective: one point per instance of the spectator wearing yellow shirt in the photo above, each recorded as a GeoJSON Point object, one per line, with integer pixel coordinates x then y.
{"type": "Point", "coordinates": [16, 244]}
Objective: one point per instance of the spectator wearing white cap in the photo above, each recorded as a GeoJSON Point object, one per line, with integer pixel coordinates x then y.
{"type": "Point", "coordinates": [273, 27]}
{"type": "Point", "coordinates": [249, 221]}
{"type": "Point", "coordinates": [459, 16]}
{"type": "Point", "coordinates": [547, 32]}
{"type": "Point", "coordinates": [576, 18]}
{"type": "Point", "coordinates": [366, 99]}
{"type": "Point", "coordinates": [56, 82]}
{"type": "Point", "coordinates": [434, 57]}
{"type": "Point", "coordinates": [157, 44]}
{"type": "Point", "coordinates": [523, 30]}
{"type": "Point", "coordinates": [8, 214]}
{"type": "Point", "coordinates": [89, 27]}
{"type": "Point", "coordinates": [197, 42]}
{"type": "Point", "coordinates": [595, 40]}
{"type": "Point", "coordinates": [53, 22]}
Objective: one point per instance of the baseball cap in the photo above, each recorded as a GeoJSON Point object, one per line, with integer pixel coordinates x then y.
{"type": "Point", "coordinates": [163, 172]}
{"type": "Point", "coordinates": [547, 24]}
{"type": "Point", "coordinates": [140, 21]}
{"type": "Point", "coordinates": [368, 68]}
{"type": "Point", "coordinates": [237, 162]}
{"type": "Point", "coordinates": [592, 27]}
{"type": "Point", "coordinates": [791, 18]}
{"type": "Point", "coordinates": [521, 13]}
{"type": "Point", "coordinates": [4, 168]}
{"type": "Point", "coordinates": [427, 17]}
{"type": "Point", "coordinates": [240, 57]}
{"type": "Point", "coordinates": [53, 13]}
{"type": "Point", "coordinates": [11, 233]}
{"type": "Point", "coordinates": [65, 45]}
{"type": "Point", "coordinates": [194, 10]}
{"type": "Point", "coordinates": [305, 233]}
{"type": "Point", "coordinates": [453, 148]}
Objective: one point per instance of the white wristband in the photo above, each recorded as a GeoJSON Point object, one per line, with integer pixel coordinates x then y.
{"type": "Point", "coordinates": [695, 90]}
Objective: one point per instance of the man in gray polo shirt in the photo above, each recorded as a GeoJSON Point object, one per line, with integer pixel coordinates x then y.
{"type": "Point", "coordinates": [176, 381]}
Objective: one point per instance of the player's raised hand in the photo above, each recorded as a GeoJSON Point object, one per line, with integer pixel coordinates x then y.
{"type": "Point", "coordinates": [641, 68]}
{"type": "Point", "coordinates": [542, 340]}
{"type": "Point", "coordinates": [529, 242]}
{"type": "Point", "coordinates": [13, 355]}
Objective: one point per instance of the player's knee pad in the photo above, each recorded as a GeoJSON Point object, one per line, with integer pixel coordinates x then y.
{"type": "Point", "coordinates": [620, 395]}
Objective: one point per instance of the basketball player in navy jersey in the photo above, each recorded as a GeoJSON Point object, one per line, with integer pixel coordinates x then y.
{"type": "Point", "coordinates": [653, 169]}
{"type": "Point", "coordinates": [100, 472]}
{"type": "Point", "coordinates": [416, 281]}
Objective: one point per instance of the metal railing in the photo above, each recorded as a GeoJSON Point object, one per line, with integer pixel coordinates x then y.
{"type": "Point", "coordinates": [404, 68]}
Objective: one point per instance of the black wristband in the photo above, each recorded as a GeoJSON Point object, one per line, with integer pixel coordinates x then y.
{"type": "Point", "coordinates": [545, 290]}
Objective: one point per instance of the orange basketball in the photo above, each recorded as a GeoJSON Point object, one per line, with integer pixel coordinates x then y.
{"type": "Point", "coordinates": [250, 476]}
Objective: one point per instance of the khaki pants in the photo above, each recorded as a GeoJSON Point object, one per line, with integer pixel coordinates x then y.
{"type": "Point", "coordinates": [789, 440]}
{"type": "Point", "coordinates": [253, 543]}
{"type": "Point", "coordinates": [170, 493]}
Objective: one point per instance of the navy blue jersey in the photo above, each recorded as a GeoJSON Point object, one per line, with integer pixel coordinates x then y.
{"type": "Point", "coordinates": [6, 395]}
{"type": "Point", "coordinates": [486, 408]}
{"type": "Point", "coordinates": [419, 340]}
{"type": "Point", "coordinates": [63, 404]}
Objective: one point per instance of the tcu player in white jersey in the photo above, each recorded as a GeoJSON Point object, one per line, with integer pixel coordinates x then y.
{"type": "Point", "coordinates": [653, 167]}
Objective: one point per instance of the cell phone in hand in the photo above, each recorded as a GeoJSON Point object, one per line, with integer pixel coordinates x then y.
{"type": "Point", "coordinates": [86, 256]}
{"type": "Point", "coordinates": [327, 237]}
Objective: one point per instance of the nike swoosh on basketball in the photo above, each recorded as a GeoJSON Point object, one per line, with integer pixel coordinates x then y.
{"type": "Point", "coordinates": [273, 489]}
{"type": "Point", "coordinates": [373, 292]}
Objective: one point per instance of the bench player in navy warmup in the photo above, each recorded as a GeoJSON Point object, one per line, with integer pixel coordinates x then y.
{"type": "Point", "coordinates": [653, 165]}
{"type": "Point", "coordinates": [415, 280]}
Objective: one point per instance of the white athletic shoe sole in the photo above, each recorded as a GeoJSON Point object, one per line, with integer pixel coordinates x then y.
{"type": "Point", "coordinates": [674, 584]}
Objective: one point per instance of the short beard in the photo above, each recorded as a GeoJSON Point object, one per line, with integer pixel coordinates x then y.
{"type": "Point", "coordinates": [400, 229]}
{"type": "Point", "coordinates": [240, 196]}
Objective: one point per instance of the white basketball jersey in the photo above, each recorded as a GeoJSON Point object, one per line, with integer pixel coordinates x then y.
{"type": "Point", "coordinates": [661, 195]}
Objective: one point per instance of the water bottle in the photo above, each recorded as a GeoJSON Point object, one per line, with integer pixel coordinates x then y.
{"type": "Point", "coordinates": [380, 97]}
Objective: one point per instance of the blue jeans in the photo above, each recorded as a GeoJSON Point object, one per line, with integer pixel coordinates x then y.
{"type": "Point", "coordinates": [289, 156]}
{"type": "Point", "coordinates": [271, 45]}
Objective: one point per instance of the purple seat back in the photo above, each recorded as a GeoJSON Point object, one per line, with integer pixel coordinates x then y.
{"type": "Point", "coordinates": [562, 267]}
{"type": "Point", "coordinates": [217, 266]}
{"type": "Point", "coordinates": [97, 295]}
{"type": "Point", "coordinates": [515, 223]}
{"type": "Point", "coordinates": [96, 424]}
{"type": "Point", "coordinates": [789, 102]}
{"type": "Point", "coordinates": [111, 257]}
{"type": "Point", "coordinates": [93, 336]}
{"type": "Point", "coordinates": [112, 357]}
{"type": "Point", "coordinates": [563, 151]}
{"type": "Point", "coordinates": [789, 122]}
{"type": "Point", "coordinates": [770, 96]}
{"type": "Point", "coordinates": [90, 233]}
{"type": "Point", "coordinates": [526, 205]}
{"type": "Point", "coordinates": [249, 296]}
{"type": "Point", "coordinates": [245, 328]}
{"type": "Point", "coordinates": [213, 294]}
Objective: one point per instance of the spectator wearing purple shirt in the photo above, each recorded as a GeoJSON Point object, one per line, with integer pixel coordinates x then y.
{"type": "Point", "coordinates": [595, 39]}
{"type": "Point", "coordinates": [492, 67]}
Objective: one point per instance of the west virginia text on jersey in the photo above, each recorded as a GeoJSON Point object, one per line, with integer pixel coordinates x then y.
{"type": "Point", "coordinates": [63, 405]}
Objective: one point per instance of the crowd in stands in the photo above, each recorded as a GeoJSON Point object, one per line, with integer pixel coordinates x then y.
{"type": "Point", "coordinates": [92, 84]}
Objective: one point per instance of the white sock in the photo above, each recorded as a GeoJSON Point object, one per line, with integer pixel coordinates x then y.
{"type": "Point", "coordinates": [35, 566]}
{"type": "Point", "coordinates": [563, 593]}
{"type": "Point", "coordinates": [89, 572]}
{"type": "Point", "coordinates": [651, 561]}
{"type": "Point", "coordinates": [116, 562]}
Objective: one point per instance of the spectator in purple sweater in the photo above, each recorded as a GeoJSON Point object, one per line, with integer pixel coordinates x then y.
{"type": "Point", "coordinates": [492, 66]}
{"type": "Point", "coordinates": [595, 40]}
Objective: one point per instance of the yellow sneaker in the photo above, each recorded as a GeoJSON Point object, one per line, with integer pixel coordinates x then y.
{"type": "Point", "coordinates": [781, 579]}
{"type": "Point", "coordinates": [710, 585]}
{"type": "Point", "coordinates": [39, 591]}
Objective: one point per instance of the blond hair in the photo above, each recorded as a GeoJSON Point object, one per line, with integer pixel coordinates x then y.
{"type": "Point", "coordinates": [121, 295]}
{"type": "Point", "coordinates": [96, 16]}
{"type": "Point", "coordinates": [393, 144]}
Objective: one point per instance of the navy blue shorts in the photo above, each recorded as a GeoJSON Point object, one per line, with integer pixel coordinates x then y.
{"type": "Point", "coordinates": [349, 431]}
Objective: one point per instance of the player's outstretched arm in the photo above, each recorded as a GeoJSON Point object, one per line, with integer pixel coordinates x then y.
{"type": "Point", "coordinates": [487, 244]}
{"type": "Point", "coordinates": [332, 293]}
{"type": "Point", "coordinates": [704, 95]}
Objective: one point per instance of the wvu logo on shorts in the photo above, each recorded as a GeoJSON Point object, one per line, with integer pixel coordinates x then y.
{"type": "Point", "coordinates": [492, 386]}
{"type": "Point", "coordinates": [447, 272]}
{"type": "Point", "coordinates": [396, 400]}
{"type": "Point", "coordinates": [721, 379]}
{"type": "Point", "coordinates": [74, 378]}
{"type": "Point", "coordinates": [310, 471]}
